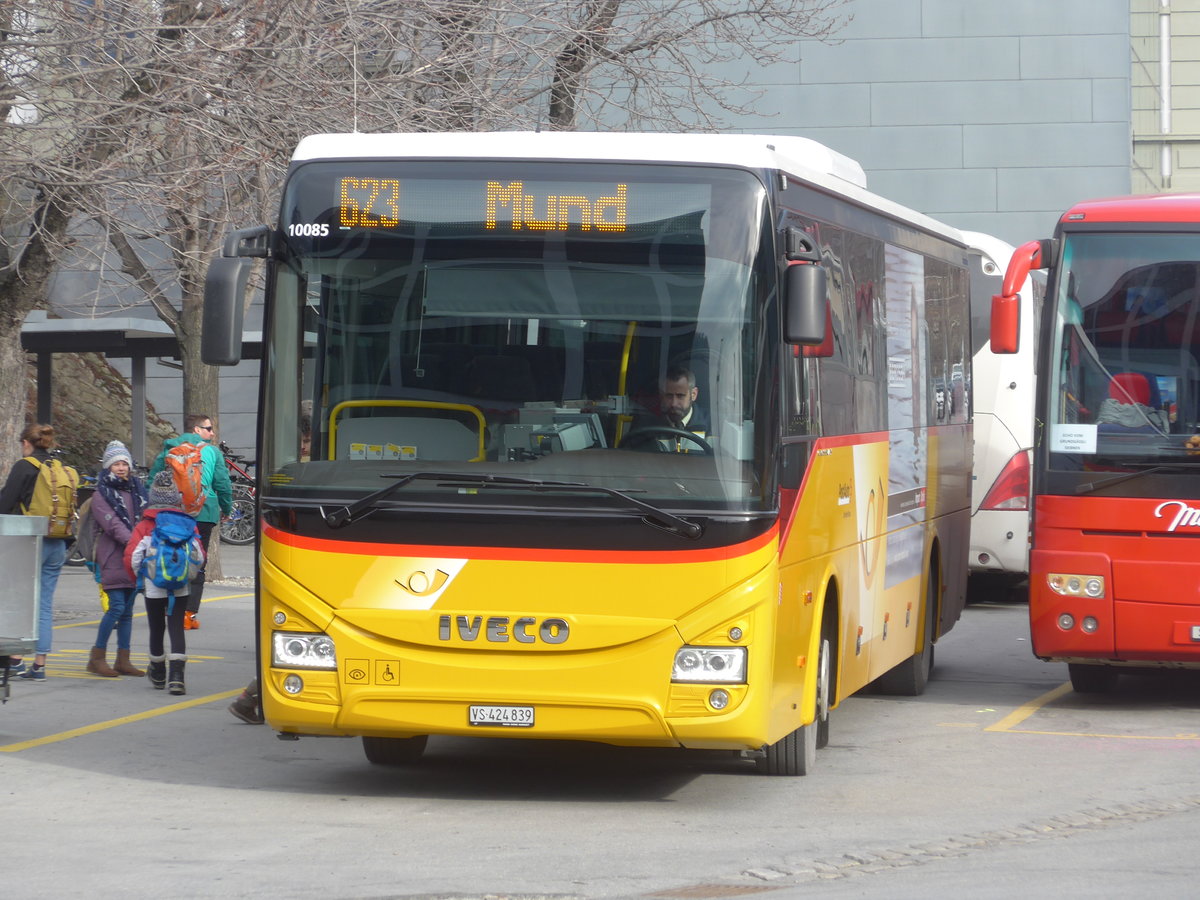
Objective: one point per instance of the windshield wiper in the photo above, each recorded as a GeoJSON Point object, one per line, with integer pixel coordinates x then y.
{"type": "Point", "coordinates": [652, 514]}
{"type": "Point", "coordinates": [1088, 487]}
{"type": "Point", "coordinates": [342, 517]}
{"type": "Point", "coordinates": [339, 518]}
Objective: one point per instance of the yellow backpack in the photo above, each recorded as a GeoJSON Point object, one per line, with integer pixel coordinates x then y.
{"type": "Point", "coordinates": [54, 496]}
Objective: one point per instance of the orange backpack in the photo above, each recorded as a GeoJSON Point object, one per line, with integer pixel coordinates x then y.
{"type": "Point", "coordinates": [186, 464]}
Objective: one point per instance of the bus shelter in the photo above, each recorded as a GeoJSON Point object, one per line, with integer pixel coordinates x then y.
{"type": "Point", "coordinates": [127, 337]}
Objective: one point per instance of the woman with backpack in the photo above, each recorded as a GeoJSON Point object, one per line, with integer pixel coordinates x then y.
{"type": "Point", "coordinates": [38, 464]}
{"type": "Point", "coordinates": [165, 553]}
{"type": "Point", "coordinates": [116, 509]}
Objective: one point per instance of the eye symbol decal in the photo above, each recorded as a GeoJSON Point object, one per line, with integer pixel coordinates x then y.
{"type": "Point", "coordinates": [419, 583]}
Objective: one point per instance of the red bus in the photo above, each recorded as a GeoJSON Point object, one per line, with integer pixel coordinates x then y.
{"type": "Point", "coordinates": [1114, 565]}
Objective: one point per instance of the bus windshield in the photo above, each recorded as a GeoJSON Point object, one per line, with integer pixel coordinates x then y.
{"type": "Point", "coordinates": [1124, 375]}
{"type": "Point", "coordinates": [595, 325]}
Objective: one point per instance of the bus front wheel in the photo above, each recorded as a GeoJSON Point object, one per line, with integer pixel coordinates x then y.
{"type": "Point", "coordinates": [797, 752]}
{"type": "Point", "coordinates": [394, 751]}
{"type": "Point", "coordinates": [1086, 679]}
{"type": "Point", "coordinates": [793, 755]}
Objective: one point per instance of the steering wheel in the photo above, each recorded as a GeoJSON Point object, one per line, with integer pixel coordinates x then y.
{"type": "Point", "coordinates": [648, 433]}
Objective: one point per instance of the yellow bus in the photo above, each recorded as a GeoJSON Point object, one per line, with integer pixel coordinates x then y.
{"type": "Point", "coordinates": [652, 440]}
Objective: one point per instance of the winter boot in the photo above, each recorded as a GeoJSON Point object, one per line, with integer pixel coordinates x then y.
{"type": "Point", "coordinates": [248, 705]}
{"type": "Point", "coordinates": [125, 667]}
{"type": "Point", "coordinates": [175, 674]}
{"type": "Point", "coordinates": [158, 672]}
{"type": "Point", "coordinates": [98, 665]}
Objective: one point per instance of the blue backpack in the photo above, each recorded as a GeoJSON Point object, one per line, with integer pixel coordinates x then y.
{"type": "Point", "coordinates": [168, 560]}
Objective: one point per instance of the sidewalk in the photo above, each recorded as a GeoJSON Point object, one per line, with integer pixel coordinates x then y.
{"type": "Point", "coordinates": [77, 597]}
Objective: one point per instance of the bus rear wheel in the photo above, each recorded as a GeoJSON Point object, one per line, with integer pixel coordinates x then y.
{"type": "Point", "coordinates": [910, 678]}
{"type": "Point", "coordinates": [1086, 679]}
{"type": "Point", "coordinates": [394, 751]}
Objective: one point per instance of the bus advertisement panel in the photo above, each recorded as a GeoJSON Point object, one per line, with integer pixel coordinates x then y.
{"type": "Point", "coordinates": [624, 438]}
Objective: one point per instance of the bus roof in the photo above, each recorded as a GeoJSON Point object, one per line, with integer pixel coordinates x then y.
{"type": "Point", "coordinates": [1138, 208]}
{"type": "Point", "coordinates": [801, 157]}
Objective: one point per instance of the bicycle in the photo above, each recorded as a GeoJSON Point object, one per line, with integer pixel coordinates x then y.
{"type": "Point", "coordinates": [240, 526]}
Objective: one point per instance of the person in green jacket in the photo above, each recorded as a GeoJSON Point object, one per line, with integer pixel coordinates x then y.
{"type": "Point", "coordinates": [218, 493]}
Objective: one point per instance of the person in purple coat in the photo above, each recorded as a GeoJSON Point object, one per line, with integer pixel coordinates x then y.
{"type": "Point", "coordinates": [116, 508]}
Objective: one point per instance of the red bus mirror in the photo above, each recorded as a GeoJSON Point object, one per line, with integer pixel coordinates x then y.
{"type": "Point", "coordinates": [1006, 306]}
{"type": "Point", "coordinates": [1006, 323]}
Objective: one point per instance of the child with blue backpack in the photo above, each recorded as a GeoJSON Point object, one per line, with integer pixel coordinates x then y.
{"type": "Point", "coordinates": [165, 553]}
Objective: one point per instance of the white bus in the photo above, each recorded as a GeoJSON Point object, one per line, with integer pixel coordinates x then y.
{"type": "Point", "coordinates": [1002, 395]}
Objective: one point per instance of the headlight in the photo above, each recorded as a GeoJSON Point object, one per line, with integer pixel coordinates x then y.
{"type": "Point", "coordinates": [704, 664]}
{"type": "Point", "coordinates": [302, 651]}
{"type": "Point", "coordinates": [1076, 585]}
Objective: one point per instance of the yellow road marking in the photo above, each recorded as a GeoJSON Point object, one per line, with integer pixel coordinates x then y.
{"type": "Point", "coordinates": [137, 615]}
{"type": "Point", "coordinates": [1098, 734]}
{"type": "Point", "coordinates": [75, 667]}
{"type": "Point", "coordinates": [115, 723]}
{"type": "Point", "coordinates": [1021, 713]}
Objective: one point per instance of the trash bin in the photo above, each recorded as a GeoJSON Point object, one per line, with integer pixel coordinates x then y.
{"type": "Point", "coordinates": [20, 587]}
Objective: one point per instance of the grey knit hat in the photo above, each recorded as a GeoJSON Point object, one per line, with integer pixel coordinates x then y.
{"type": "Point", "coordinates": [113, 452]}
{"type": "Point", "coordinates": [163, 492]}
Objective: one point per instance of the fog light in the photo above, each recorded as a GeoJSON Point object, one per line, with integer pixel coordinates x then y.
{"type": "Point", "coordinates": [1066, 621]}
{"type": "Point", "coordinates": [1089, 624]}
{"type": "Point", "coordinates": [293, 684]}
{"type": "Point", "coordinates": [718, 699]}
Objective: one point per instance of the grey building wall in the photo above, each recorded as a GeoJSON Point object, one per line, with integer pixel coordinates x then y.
{"type": "Point", "coordinates": [991, 115]}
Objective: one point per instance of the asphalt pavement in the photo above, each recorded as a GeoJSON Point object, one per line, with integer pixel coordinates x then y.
{"type": "Point", "coordinates": [226, 626]}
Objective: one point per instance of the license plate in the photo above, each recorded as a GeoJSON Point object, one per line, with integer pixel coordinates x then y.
{"type": "Point", "coordinates": [502, 716]}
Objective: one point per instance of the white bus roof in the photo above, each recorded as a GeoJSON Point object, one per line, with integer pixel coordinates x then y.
{"type": "Point", "coordinates": [801, 157]}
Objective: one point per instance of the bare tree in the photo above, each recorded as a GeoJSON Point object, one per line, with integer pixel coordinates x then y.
{"type": "Point", "coordinates": [135, 133]}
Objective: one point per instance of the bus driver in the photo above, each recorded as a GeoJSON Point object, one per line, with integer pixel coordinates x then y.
{"type": "Point", "coordinates": [677, 411]}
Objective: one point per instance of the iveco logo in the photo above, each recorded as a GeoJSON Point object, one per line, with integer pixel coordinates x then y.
{"type": "Point", "coordinates": [502, 629]}
{"type": "Point", "coordinates": [422, 584]}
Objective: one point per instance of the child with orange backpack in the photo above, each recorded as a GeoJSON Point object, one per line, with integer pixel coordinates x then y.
{"type": "Point", "coordinates": [202, 477]}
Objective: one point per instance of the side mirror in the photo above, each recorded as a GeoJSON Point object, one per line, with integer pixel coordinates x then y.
{"type": "Point", "coordinates": [224, 302]}
{"type": "Point", "coordinates": [804, 303]}
{"type": "Point", "coordinates": [1006, 323]}
{"type": "Point", "coordinates": [225, 295]}
{"type": "Point", "coordinates": [1006, 306]}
